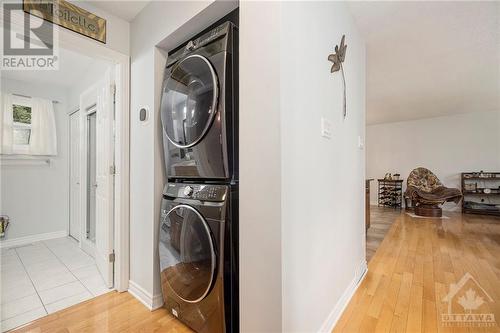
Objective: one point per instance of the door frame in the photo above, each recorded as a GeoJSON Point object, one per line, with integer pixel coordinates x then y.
{"type": "Point", "coordinates": [87, 134]}
{"type": "Point", "coordinates": [85, 244]}
{"type": "Point", "coordinates": [72, 113]}
{"type": "Point", "coordinates": [84, 45]}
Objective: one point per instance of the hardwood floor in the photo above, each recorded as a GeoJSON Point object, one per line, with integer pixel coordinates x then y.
{"type": "Point", "coordinates": [403, 291]}
{"type": "Point", "coordinates": [410, 275]}
{"type": "Point", "coordinates": [112, 312]}
{"type": "Point", "coordinates": [382, 219]}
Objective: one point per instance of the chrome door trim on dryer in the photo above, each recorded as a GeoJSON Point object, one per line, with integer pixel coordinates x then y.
{"type": "Point", "coordinates": [213, 109]}
{"type": "Point", "coordinates": [212, 253]}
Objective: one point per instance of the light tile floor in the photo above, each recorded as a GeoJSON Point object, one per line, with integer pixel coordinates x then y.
{"type": "Point", "coordinates": [45, 277]}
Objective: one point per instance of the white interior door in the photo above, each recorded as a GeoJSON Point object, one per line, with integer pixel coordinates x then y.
{"type": "Point", "coordinates": [74, 176]}
{"type": "Point", "coordinates": [105, 179]}
{"type": "Point", "coordinates": [100, 246]}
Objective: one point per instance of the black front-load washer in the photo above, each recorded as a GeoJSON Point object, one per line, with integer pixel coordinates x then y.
{"type": "Point", "coordinates": [198, 255]}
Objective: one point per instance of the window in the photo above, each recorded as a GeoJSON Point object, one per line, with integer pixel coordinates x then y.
{"type": "Point", "coordinates": [21, 124]}
{"type": "Point", "coordinates": [28, 126]}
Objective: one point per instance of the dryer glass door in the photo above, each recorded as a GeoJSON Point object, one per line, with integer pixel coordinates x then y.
{"type": "Point", "coordinates": [189, 101]}
{"type": "Point", "coordinates": [187, 255]}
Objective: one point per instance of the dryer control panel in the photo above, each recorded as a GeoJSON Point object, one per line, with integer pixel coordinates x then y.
{"type": "Point", "coordinates": [203, 40]}
{"type": "Point", "coordinates": [202, 192]}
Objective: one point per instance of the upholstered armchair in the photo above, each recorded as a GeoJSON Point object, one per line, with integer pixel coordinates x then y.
{"type": "Point", "coordinates": [426, 193]}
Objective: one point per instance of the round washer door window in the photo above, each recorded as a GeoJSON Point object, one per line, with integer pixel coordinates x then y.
{"type": "Point", "coordinates": [189, 101]}
{"type": "Point", "coordinates": [192, 265]}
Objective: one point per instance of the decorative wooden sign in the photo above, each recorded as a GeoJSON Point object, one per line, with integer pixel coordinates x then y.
{"type": "Point", "coordinates": [69, 16]}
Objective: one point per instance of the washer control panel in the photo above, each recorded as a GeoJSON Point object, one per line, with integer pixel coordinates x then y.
{"type": "Point", "coordinates": [205, 192]}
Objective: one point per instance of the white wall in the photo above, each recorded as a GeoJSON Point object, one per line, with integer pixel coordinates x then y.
{"type": "Point", "coordinates": [322, 179]}
{"type": "Point", "coordinates": [117, 29]}
{"type": "Point", "coordinates": [446, 145]}
{"type": "Point", "coordinates": [94, 73]}
{"type": "Point", "coordinates": [36, 197]}
{"type": "Point", "coordinates": [260, 168]}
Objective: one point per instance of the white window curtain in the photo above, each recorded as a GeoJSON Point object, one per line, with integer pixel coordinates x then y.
{"type": "Point", "coordinates": [43, 138]}
{"type": "Point", "coordinates": [6, 119]}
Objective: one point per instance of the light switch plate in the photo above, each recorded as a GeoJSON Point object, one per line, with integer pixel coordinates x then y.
{"type": "Point", "coordinates": [361, 143]}
{"type": "Point", "coordinates": [326, 128]}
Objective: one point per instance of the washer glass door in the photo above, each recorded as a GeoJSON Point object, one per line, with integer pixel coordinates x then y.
{"type": "Point", "coordinates": [189, 101]}
{"type": "Point", "coordinates": [187, 255]}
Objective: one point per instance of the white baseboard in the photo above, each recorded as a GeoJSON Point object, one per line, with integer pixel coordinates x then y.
{"type": "Point", "coordinates": [31, 239]}
{"type": "Point", "coordinates": [157, 301]}
{"type": "Point", "coordinates": [339, 308]}
{"type": "Point", "coordinates": [151, 302]}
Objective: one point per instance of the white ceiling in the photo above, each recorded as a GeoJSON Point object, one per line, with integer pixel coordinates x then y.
{"type": "Point", "coordinates": [428, 59]}
{"type": "Point", "coordinates": [126, 10]}
{"type": "Point", "coordinates": [72, 68]}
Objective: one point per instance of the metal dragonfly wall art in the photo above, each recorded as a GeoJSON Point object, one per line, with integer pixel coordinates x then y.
{"type": "Point", "coordinates": [338, 58]}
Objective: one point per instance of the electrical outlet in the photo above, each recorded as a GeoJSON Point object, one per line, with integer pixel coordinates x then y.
{"type": "Point", "coordinates": [326, 128]}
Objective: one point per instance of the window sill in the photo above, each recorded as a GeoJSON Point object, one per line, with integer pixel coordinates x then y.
{"type": "Point", "coordinates": [19, 160]}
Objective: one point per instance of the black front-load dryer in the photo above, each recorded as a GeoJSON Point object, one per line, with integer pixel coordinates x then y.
{"type": "Point", "coordinates": [198, 255]}
{"type": "Point", "coordinates": [199, 108]}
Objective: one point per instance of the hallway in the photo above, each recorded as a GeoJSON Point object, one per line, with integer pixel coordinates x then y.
{"type": "Point", "coordinates": [412, 270]}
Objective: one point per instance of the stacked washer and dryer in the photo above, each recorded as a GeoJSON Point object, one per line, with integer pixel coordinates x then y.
{"type": "Point", "coordinates": [198, 238]}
